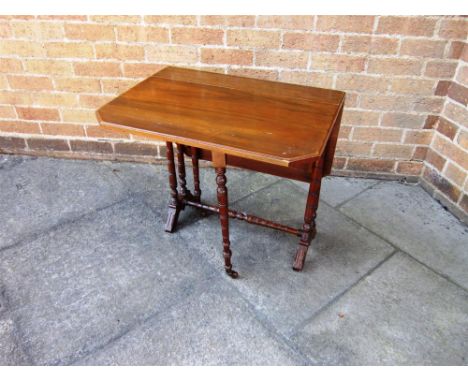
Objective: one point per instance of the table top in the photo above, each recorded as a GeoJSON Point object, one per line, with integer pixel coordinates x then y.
{"type": "Point", "coordinates": [267, 121]}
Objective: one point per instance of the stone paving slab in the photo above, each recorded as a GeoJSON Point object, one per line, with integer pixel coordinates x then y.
{"type": "Point", "coordinates": [38, 193]}
{"type": "Point", "coordinates": [82, 284]}
{"type": "Point", "coordinates": [336, 190]}
{"type": "Point", "coordinates": [408, 217]}
{"type": "Point", "coordinates": [401, 314]}
{"type": "Point", "coordinates": [11, 353]}
{"type": "Point", "coordinates": [341, 253]}
{"type": "Point", "coordinates": [214, 327]}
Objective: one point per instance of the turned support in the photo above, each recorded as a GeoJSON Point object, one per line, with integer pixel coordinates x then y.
{"type": "Point", "coordinates": [308, 228]}
{"type": "Point", "coordinates": [184, 192]}
{"type": "Point", "coordinates": [174, 204]}
{"type": "Point", "coordinates": [196, 175]}
{"type": "Point", "coordinates": [219, 162]}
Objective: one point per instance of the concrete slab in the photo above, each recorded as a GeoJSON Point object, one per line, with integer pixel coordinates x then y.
{"type": "Point", "coordinates": [11, 353]}
{"type": "Point", "coordinates": [408, 217]}
{"type": "Point", "coordinates": [401, 314]}
{"type": "Point", "coordinates": [84, 283]}
{"type": "Point", "coordinates": [341, 253]}
{"type": "Point", "coordinates": [336, 190]}
{"type": "Point", "coordinates": [214, 327]}
{"type": "Point", "coordinates": [38, 193]}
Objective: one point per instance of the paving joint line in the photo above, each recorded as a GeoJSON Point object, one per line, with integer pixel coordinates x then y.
{"type": "Point", "coordinates": [277, 335]}
{"type": "Point", "coordinates": [30, 237]}
{"type": "Point", "coordinates": [401, 250]}
{"type": "Point", "coordinates": [337, 297]}
{"type": "Point", "coordinates": [202, 286]}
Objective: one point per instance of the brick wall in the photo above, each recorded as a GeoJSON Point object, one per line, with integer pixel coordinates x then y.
{"type": "Point", "coordinates": [404, 77]}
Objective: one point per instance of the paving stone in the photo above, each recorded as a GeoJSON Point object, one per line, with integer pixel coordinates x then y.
{"type": "Point", "coordinates": [213, 328]}
{"type": "Point", "coordinates": [84, 283]}
{"type": "Point", "coordinates": [38, 193]}
{"type": "Point", "coordinates": [401, 314]}
{"type": "Point", "coordinates": [341, 253]}
{"type": "Point", "coordinates": [11, 353]}
{"type": "Point", "coordinates": [408, 217]}
{"type": "Point", "coordinates": [336, 190]}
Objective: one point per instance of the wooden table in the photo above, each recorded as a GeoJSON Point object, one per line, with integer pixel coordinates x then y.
{"type": "Point", "coordinates": [280, 129]}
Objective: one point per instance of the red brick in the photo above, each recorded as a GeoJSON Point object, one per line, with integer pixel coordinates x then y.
{"type": "Point", "coordinates": [185, 54]}
{"type": "Point", "coordinates": [262, 74]}
{"type": "Point", "coordinates": [338, 63]}
{"type": "Point", "coordinates": [409, 168]}
{"type": "Point", "coordinates": [138, 33]}
{"type": "Point", "coordinates": [172, 20]}
{"type": "Point", "coordinates": [136, 148]}
{"type": "Point", "coordinates": [19, 127]}
{"type": "Point", "coordinates": [323, 80]}
{"type": "Point", "coordinates": [393, 151]}
{"type": "Point", "coordinates": [403, 120]}
{"type": "Point", "coordinates": [458, 93]}
{"type": "Point", "coordinates": [91, 147]}
{"type": "Point", "coordinates": [89, 32]}
{"type": "Point", "coordinates": [200, 36]}
{"type": "Point", "coordinates": [311, 41]}
{"type": "Point", "coordinates": [65, 129]}
{"type": "Point", "coordinates": [361, 24]}
{"type": "Point", "coordinates": [43, 144]}
{"type": "Point", "coordinates": [454, 28]}
{"type": "Point", "coordinates": [435, 159]}
{"type": "Point", "coordinates": [422, 48]}
{"type": "Point", "coordinates": [372, 134]}
{"type": "Point", "coordinates": [7, 111]}
{"type": "Point", "coordinates": [226, 56]}
{"type": "Point", "coordinates": [36, 113]}
{"type": "Point", "coordinates": [447, 128]}
{"type": "Point", "coordinates": [440, 69]}
{"type": "Point", "coordinates": [441, 184]}
{"type": "Point", "coordinates": [370, 165]}
{"type": "Point", "coordinates": [361, 83]}
{"type": "Point", "coordinates": [395, 66]}
{"type": "Point", "coordinates": [369, 44]}
{"type": "Point", "coordinates": [352, 148]}
{"type": "Point", "coordinates": [30, 82]}
{"type": "Point", "coordinates": [10, 65]}
{"type": "Point", "coordinates": [97, 69]}
{"type": "Point", "coordinates": [360, 117]}
{"type": "Point", "coordinates": [413, 26]}
{"type": "Point", "coordinates": [253, 38]}
{"type": "Point", "coordinates": [9, 144]}
{"type": "Point", "coordinates": [285, 22]}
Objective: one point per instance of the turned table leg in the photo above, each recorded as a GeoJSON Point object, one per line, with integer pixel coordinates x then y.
{"type": "Point", "coordinates": [222, 194]}
{"type": "Point", "coordinates": [184, 192]}
{"type": "Point", "coordinates": [196, 175]}
{"type": "Point", "coordinates": [174, 205]}
{"type": "Point", "coordinates": [309, 229]}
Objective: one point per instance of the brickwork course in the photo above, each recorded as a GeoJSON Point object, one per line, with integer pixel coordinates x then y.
{"type": "Point", "coordinates": [405, 79]}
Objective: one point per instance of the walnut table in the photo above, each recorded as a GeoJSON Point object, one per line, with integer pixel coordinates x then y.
{"type": "Point", "coordinates": [280, 129]}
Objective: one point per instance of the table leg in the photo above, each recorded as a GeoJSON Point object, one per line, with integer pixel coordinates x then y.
{"type": "Point", "coordinates": [174, 205]}
{"type": "Point", "coordinates": [219, 162]}
{"type": "Point", "coordinates": [196, 175]}
{"type": "Point", "coordinates": [309, 229]}
{"type": "Point", "coordinates": [184, 192]}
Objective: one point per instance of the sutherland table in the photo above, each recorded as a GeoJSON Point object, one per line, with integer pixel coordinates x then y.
{"type": "Point", "coordinates": [280, 129]}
